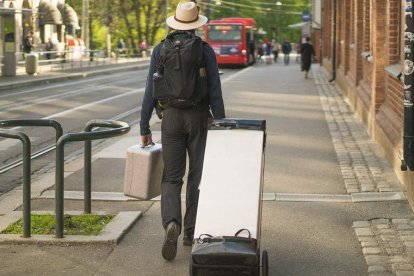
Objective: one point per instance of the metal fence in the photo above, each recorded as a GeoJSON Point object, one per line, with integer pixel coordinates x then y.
{"type": "Point", "coordinates": [73, 60]}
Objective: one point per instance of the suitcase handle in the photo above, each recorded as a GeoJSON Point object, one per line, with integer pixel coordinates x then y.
{"type": "Point", "coordinates": [147, 146]}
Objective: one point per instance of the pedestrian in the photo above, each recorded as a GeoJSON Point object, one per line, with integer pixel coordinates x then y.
{"type": "Point", "coordinates": [267, 48]}
{"type": "Point", "coordinates": [275, 49]}
{"type": "Point", "coordinates": [183, 128]}
{"type": "Point", "coordinates": [121, 47]}
{"type": "Point", "coordinates": [260, 52]}
{"type": "Point", "coordinates": [307, 53]}
{"type": "Point", "coordinates": [286, 49]}
{"type": "Point", "coordinates": [50, 46]}
{"type": "Point", "coordinates": [28, 43]}
{"type": "Point", "coordinates": [143, 47]}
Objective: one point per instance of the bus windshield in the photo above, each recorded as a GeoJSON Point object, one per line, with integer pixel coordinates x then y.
{"type": "Point", "coordinates": [225, 33]}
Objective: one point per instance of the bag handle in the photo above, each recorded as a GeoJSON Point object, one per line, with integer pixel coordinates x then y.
{"type": "Point", "coordinates": [241, 230]}
{"type": "Point", "coordinates": [206, 238]}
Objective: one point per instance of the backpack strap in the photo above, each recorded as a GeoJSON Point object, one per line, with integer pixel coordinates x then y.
{"type": "Point", "coordinates": [161, 58]}
{"type": "Point", "coordinates": [201, 60]}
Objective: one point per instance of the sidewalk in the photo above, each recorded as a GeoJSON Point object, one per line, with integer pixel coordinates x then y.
{"type": "Point", "coordinates": [333, 205]}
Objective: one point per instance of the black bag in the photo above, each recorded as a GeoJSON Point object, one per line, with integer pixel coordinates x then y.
{"type": "Point", "coordinates": [225, 255]}
{"type": "Point", "coordinates": [180, 80]}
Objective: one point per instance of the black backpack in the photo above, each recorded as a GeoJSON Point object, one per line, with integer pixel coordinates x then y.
{"type": "Point", "coordinates": [180, 80]}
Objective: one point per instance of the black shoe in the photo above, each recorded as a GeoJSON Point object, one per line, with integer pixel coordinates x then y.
{"type": "Point", "coordinates": [188, 240]}
{"type": "Point", "coordinates": [169, 247]}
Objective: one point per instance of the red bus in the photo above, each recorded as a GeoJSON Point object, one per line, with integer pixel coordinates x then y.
{"type": "Point", "coordinates": [232, 39]}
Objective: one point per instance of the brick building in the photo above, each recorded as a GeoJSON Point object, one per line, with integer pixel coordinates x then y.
{"type": "Point", "coordinates": [363, 49]}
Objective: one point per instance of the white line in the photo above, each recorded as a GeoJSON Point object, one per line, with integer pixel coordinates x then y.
{"type": "Point", "coordinates": [92, 104]}
{"type": "Point", "coordinates": [116, 196]}
{"type": "Point", "coordinates": [51, 86]}
{"type": "Point", "coordinates": [384, 196]}
{"type": "Point", "coordinates": [313, 197]}
{"type": "Point", "coordinates": [236, 74]}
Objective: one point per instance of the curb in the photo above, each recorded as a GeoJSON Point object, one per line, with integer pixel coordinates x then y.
{"type": "Point", "coordinates": [111, 234]}
{"type": "Point", "coordinates": [71, 76]}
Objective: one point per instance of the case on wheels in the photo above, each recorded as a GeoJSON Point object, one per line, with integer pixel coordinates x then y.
{"type": "Point", "coordinates": [228, 225]}
{"type": "Point", "coordinates": [143, 171]}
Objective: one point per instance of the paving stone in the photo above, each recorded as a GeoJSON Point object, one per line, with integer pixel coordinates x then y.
{"type": "Point", "coordinates": [409, 243]}
{"type": "Point", "coordinates": [394, 251]}
{"type": "Point", "coordinates": [376, 268]}
{"type": "Point", "coordinates": [387, 231]}
{"type": "Point", "coordinates": [407, 237]}
{"type": "Point", "coordinates": [404, 226]}
{"type": "Point", "coordinates": [375, 259]}
{"type": "Point", "coordinates": [400, 259]}
{"type": "Point", "coordinates": [405, 267]}
{"type": "Point", "coordinates": [400, 221]}
{"type": "Point", "coordinates": [380, 221]}
{"type": "Point", "coordinates": [364, 232]}
{"type": "Point", "coordinates": [404, 273]}
{"type": "Point", "coordinates": [388, 238]}
{"type": "Point", "coordinates": [371, 251]}
{"type": "Point", "coordinates": [369, 244]}
{"type": "Point", "coordinates": [366, 239]}
{"type": "Point", "coordinates": [383, 226]}
{"type": "Point", "coordinates": [361, 224]}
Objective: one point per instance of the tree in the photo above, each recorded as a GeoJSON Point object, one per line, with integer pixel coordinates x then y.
{"type": "Point", "coordinates": [132, 20]}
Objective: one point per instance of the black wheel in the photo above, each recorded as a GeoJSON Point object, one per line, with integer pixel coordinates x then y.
{"type": "Point", "coordinates": [265, 263]}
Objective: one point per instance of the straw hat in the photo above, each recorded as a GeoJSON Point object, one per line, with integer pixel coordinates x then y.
{"type": "Point", "coordinates": [186, 17]}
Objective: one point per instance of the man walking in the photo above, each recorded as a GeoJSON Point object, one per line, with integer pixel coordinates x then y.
{"type": "Point", "coordinates": [28, 44]}
{"type": "Point", "coordinates": [307, 53]}
{"type": "Point", "coordinates": [286, 49]}
{"type": "Point", "coordinates": [184, 125]}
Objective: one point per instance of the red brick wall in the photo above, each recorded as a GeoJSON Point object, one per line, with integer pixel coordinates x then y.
{"type": "Point", "coordinates": [394, 31]}
{"type": "Point", "coordinates": [327, 27]}
{"type": "Point", "coordinates": [371, 85]}
{"type": "Point", "coordinates": [374, 27]}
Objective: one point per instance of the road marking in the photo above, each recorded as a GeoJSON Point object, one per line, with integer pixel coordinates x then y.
{"type": "Point", "coordinates": [351, 198]}
{"type": "Point", "coordinates": [114, 196]}
{"type": "Point", "coordinates": [93, 103]}
{"type": "Point", "coordinates": [313, 197]}
{"type": "Point", "coordinates": [282, 197]}
{"type": "Point", "coordinates": [237, 74]}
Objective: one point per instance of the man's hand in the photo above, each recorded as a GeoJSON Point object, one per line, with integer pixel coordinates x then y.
{"type": "Point", "coordinates": [146, 140]}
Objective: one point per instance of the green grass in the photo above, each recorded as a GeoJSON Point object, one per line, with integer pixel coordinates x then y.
{"type": "Point", "coordinates": [86, 224]}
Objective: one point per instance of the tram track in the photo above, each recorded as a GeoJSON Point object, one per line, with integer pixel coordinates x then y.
{"type": "Point", "coordinates": [108, 92]}
{"type": "Point", "coordinates": [47, 149]}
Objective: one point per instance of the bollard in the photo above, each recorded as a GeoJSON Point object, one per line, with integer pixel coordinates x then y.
{"type": "Point", "coordinates": [27, 158]}
{"type": "Point", "coordinates": [26, 175]}
{"type": "Point", "coordinates": [34, 122]}
{"type": "Point", "coordinates": [119, 128]}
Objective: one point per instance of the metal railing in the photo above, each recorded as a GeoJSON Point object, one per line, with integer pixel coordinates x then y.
{"type": "Point", "coordinates": [73, 60]}
{"type": "Point", "coordinates": [118, 128]}
{"type": "Point", "coordinates": [26, 159]}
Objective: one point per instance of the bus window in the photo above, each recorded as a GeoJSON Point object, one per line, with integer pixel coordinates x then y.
{"type": "Point", "coordinates": [224, 33]}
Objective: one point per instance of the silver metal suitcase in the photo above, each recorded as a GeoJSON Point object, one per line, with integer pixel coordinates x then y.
{"type": "Point", "coordinates": [143, 172]}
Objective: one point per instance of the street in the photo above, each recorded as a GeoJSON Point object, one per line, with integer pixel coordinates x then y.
{"type": "Point", "coordinates": [312, 204]}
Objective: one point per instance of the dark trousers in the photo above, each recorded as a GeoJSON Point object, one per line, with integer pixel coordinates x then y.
{"type": "Point", "coordinates": [183, 131]}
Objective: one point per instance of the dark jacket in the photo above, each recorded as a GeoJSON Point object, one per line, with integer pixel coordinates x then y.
{"type": "Point", "coordinates": [213, 81]}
